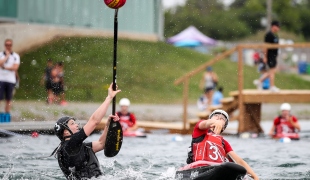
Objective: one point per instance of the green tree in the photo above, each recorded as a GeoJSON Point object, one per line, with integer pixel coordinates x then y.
{"type": "Point", "coordinates": [209, 17]}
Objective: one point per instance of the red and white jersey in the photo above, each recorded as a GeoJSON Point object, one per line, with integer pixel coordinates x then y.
{"type": "Point", "coordinates": [211, 148]}
{"type": "Point", "coordinates": [282, 125]}
{"type": "Point", "coordinates": [126, 120]}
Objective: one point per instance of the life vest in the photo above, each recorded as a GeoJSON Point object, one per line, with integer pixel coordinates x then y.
{"type": "Point", "coordinates": [125, 120]}
{"type": "Point", "coordinates": [284, 126]}
{"type": "Point", "coordinates": [209, 147]}
{"type": "Point", "coordinates": [86, 164]}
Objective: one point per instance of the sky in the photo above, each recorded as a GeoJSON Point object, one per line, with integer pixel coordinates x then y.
{"type": "Point", "coordinates": [171, 3]}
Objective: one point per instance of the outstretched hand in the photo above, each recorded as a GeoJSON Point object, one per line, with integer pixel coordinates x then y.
{"type": "Point", "coordinates": [112, 93]}
{"type": "Point", "coordinates": [216, 127]}
{"type": "Point", "coordinates": [114, 117]}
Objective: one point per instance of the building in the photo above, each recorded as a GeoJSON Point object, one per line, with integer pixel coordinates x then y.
{"type": "Point", "coordinates": [142, 17]}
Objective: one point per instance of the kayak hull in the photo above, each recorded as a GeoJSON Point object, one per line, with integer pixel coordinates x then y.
{"type": "Point", "coordinates": [292, 136]}
{"type": "Point", "coordinates": [134, 134]}
{"type": "Point", "coordinates": [204, 170]}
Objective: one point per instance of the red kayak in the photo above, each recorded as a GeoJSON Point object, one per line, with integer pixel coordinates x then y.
{"type": "Point", "coordinates": [202, 170]}
{"type": "Point", "coordinates": [134, 134]}
{"type": "Point", "coordinates": [292, 136]}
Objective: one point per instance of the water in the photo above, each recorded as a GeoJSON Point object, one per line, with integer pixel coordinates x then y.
{"type": "Point", "coordinates": [155, 157]}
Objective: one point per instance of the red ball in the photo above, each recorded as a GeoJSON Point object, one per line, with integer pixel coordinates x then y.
{"type": "Point", "coordinates": [115, 4]}
{"type": "Point", "coordinates": [34, 134]}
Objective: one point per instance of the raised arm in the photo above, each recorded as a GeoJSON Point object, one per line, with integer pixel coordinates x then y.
{"type": "Point", "coordinates": [97, 116]}
{"type": "Point", "coordinates": [215, 125]}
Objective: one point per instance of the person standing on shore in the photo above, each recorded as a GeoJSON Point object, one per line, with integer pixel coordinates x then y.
{"type": "Point", "coordinates": [46, 80]}
{"type": "Point", "coordinates": [270, 57]}
{"type": "Point", "coordinates": [209, 82]}
{"type": "Point", "coordinates": [9, 64]}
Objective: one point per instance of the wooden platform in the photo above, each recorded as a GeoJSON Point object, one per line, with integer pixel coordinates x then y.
{"type": "Point", "coordinates": [251, 100]}
{"type": "Point", "coordinates": [47, 127]}
{"type": "Point", "coordinates": [149, 126]}
{"type": "Point", "coordinates": [266, 96]}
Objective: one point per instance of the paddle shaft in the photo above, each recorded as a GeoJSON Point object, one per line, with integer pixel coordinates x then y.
{"type": "Point", "coordinates": [115, 59]}
{"type": "Point", "coordinates": [114, 134]}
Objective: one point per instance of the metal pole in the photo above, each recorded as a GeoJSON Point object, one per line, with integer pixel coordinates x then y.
{"type": "Point", "coordinates": [269, 14]}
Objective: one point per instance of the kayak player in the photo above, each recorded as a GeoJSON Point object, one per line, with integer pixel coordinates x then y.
{"type": "Point", "coordinates": [209, 145]}
{"type": "Point", "coordinates": [285, 123]}
{"type": "Point", "coordinates": [77, 159]}
{"type": "Point", "coordinates": [127, 119]}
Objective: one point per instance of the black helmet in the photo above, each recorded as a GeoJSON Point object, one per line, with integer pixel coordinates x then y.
{"type": "Point", "coordinates": [61, 125]}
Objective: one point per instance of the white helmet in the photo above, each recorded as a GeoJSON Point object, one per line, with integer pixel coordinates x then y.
{"type": "Point", "coordinates": [285, 106]}
{"type": "Point", "coordinates": [124, 102]}
{"type": "Point", "coordinates": [219, 111]}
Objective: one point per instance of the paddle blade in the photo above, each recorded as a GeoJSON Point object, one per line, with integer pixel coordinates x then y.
{"type": "Point", "coordinates": [114, 139]}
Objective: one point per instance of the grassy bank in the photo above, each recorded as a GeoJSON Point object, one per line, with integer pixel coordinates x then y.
{"type": "Point", "coordinates": [146, 71]}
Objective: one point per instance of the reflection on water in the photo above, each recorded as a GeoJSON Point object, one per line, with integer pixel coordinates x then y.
{"type": "Point", "coordinates": [154, 157]}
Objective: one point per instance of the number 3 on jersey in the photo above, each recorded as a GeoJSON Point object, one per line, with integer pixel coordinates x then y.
{"type": "Point", "coordinates": [215, 152]}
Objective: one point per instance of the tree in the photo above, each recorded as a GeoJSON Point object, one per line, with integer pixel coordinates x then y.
{"type": "Point", "coordinates": [209, 17]}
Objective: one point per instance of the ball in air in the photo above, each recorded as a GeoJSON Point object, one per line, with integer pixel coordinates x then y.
{"type": "Point", "coordinates": [115, 4]}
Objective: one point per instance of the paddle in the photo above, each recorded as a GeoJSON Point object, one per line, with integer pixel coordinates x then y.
{"type": "Point", "coordinates": [114, 138]}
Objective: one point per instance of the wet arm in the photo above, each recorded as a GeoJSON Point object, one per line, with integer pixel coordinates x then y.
{"type": "Point", "coordinates": [97, 116]}
{"type": "Point", "coordinates": [99, 145]}
{"type": "Point", "coordinates": [241, 162]}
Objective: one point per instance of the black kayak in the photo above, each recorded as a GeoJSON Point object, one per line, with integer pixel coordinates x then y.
{"type": "Point", "coordinates": [205, 170]}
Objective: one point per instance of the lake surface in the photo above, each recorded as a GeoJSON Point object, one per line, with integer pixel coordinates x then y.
{"type": "Point", "coordinates": [156, 157]}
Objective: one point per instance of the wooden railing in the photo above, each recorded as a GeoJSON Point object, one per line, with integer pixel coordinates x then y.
{"type": "Point", "coordinates": [239, 48]}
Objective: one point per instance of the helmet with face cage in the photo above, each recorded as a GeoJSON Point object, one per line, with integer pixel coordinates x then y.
{"type": "Point", "coordinates": [61, 125]}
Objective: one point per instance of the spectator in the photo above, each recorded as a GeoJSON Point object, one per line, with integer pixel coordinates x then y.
{"type": "Point", "coordinates": [217, 97]}
{"type": "Point", "coordinates": [46, 79]}
{"type": "Point", "coordinates": [202, 102]}
{"type": "Point", "coordinates": [57, 84]}
{"type": "Point", "coordinates": [60, 74]}
{"type": "Point", "coordinates": [256, 57]}
{"type": "Point", "coordinates": [9, 64]}
{"type": "Point", "coordinates": [210, 80]}
{"type": "Point", "coordinates": [270, 57]}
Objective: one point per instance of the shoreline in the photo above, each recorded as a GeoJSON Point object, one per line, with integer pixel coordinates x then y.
{"type": "Point", "coordinates": [40, 111]}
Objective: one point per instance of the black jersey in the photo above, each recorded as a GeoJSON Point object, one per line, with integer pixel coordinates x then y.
{"type": "Point", "coordinates": [77, 159]}
{"type": "Point", "coordinates": [274, 39]}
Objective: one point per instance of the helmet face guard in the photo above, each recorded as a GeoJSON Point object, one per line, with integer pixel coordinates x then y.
{"type": "Point", "coordinates": [62, 125]}
{"type": "Point", "coordinates": [219, 111]}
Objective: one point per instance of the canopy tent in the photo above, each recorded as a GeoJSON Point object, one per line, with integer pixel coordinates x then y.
{"type": "Point", "coordinates": [191, 37]}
